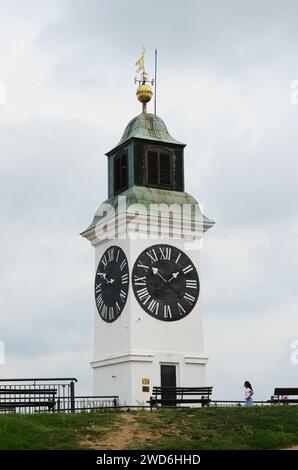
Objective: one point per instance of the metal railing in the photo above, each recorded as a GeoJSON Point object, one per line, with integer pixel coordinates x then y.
{"type": "Point", "coordinates": [239, 403]}
{"type": "Point", "coordinates": [33, 395]}
{"type": "Point", "coordinates": [48, 395]}
{"type": "Point", "coordinates": [57, 395]}
{"type": "Point", "coordinates": [94, 403]}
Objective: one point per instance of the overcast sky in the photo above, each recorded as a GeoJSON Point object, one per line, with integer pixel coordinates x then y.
{"type": "Point", "coordinates": [225, 75]}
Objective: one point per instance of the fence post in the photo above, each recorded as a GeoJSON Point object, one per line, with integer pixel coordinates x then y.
{"type": "Point", "coordinates": [72, 397]}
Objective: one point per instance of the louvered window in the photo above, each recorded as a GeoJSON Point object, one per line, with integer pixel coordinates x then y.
{"type": "Point", "coordinates": [159, 168]}
{"type": "Point", "coordinates": [120, 173]}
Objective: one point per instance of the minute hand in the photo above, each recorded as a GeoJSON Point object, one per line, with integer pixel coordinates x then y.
{"type": "Point", "coordinates": [174, 276]}
{"type": "Point", "coordinates": [155, 271]}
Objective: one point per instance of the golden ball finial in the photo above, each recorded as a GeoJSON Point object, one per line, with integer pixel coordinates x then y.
{"type": "Point", "coordinates": [144, 93]}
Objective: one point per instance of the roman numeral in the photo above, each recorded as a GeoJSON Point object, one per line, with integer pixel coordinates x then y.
{"type": "Point", "coordinates": [146, 299]}
{"type": "Point", "coordinates": [191, 284]}
{"type": "Point", "coordinates": [123, 264]}
{"type": "Point", "coordinates": [140, 265]}
{"type": "Point", "coordinates": [123, 295]}
{"type": "Point", "coordinates": [189, 298]}
{"type": "Point", "coordinates": [182, 311]}
{"type": "Point", "coordinates": [104, 261]}
{"type": "Point", "coordinates": [152, 255]}
{"type": "Point", "coordinates": [100, 303]}
{"type": "Point", "coordinates": [117, 256]}
{"type": "Point", "coordinates": [111, 313]}
{"type": "Point", "coordinates": [140, 281]}
{"type": "Point", "coordinates": [124, 278]}
{"type": "Point", "coordinates": [144, 295]}
{"type": "Point", "coordinates": [178, 257]}
{"type": "Point", "coordinates": [153, 307]}
{"type": "Point", "coordinates": [118, 309]}
{"type": "Point", "coordinates": [165, 253]}
{"type": "Point", "coordinates": [142, 292]}
{"type": "Point", "coordinates": [187, 269]}
{"type": "Point", "coordinates": [98, 288]}
{"type": "Point", "coordinates": [104, 312]}
{"type": "Point", "coordinates": [167, 311]}
{"type": "Point", "coordinates": [110, 255]}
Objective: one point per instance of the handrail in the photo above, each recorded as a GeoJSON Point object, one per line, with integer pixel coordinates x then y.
{"type": "Point", "coordinates": [39, 379]}
{"type": "Point", "coordinates": [97, 396]}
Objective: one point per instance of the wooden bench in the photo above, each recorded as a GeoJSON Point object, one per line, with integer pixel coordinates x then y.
{"type": "Point", "coordinates": [12, 398]}
{"type": "Point", "coordinates": [173, 396]}
{"type": "Point", "coordinates": [281, 395]}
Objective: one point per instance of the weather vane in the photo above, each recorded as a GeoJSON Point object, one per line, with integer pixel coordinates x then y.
{"type": "Point", "coordinates": [144, 92]}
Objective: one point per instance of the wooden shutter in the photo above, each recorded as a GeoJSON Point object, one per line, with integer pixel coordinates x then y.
{"type": "Point", "coordinates": [124, 171]}
{"type": "Point", "coordinates": [117, 175]}
{"type": "Point", "coordinates": [165, 169]}
{"type": "Point", "coordinates": [159, 171]}
{"type": "Point", "coordinates": [120, 173]}
{"type": "Point", "coordinates": [152, 168]}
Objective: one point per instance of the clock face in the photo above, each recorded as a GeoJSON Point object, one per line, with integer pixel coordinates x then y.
{"type": "Point", "coordinates": [111, 284]}
{"type": "Point", "coordinates": [165, 282]}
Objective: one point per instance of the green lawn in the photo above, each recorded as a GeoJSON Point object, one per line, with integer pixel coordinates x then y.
{"type": "Point", "coordinates": [224, 428]}
{"type": "Point", "coordinates": [190, 429]}
{"type": "Point", "coordinates": [56, 431]}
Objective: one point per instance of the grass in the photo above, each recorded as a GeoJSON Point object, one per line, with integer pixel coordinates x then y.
{"type": "Point", "coordinates": [53, 432]}
{"type": "Point", "coordinates": [182, 429]}
{"type": "Point", "coordinates": [223, 428]}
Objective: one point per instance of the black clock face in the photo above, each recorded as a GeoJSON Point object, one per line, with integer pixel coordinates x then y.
{"type": "Point", "coordinates": [111, 284]}
{"type": "Point", "coordinates": [165, 282]}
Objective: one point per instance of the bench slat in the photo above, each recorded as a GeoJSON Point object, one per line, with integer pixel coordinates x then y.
{"type": "Point", "coordinates": [175, 395]}
{"type": "Point", "coordinates": [18, 391]}
{"type": "Point", "coordinates": [175, 392]}
{"type": "Point", "coordinates": [180, 400]}
{"type": "Point", "coordinates": [182, 390]}
{"type": "Point", "coordinates": [286, 391]}
{"type": "Point", "coordinates": [26, 404]}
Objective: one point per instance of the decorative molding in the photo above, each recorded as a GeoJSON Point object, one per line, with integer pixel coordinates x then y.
{"type": "Point", "coordinates": [128, 357]}
{"type": "Point", "coordinates": [196, 359]}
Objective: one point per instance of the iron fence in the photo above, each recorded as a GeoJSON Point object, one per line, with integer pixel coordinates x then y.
{"type": "Point", "coordinates": [48, 395]}
{"type": "Point", "coordinates": [57, 395]}
{"type": "Point", "coordinates": [95, 403]}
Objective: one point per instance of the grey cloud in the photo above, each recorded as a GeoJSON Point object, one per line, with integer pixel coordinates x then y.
{"type": "Point", "coordinates": [52, 171]}
{"type": "Point", "coordinates": [257, 184]}
{"type": "Point", "coordinates": [93, 39]}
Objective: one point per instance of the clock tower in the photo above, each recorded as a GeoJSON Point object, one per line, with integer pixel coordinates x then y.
{"type": "Point", "coordinates": [147, 237]}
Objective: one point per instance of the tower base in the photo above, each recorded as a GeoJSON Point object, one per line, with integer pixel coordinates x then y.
{"type": "Point", "coordinates": [131, 375]}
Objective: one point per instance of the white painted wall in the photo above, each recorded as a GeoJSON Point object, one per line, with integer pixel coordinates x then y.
{"type": "Point", "coordinates": [136, 344]}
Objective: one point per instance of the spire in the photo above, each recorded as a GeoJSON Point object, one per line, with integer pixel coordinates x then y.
{"type": "Point", "coordinates": [144, 91]}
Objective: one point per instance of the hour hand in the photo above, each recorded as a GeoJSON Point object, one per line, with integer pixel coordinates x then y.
{"type": "Point", "coordinates": [174, 276]}
{"type": "Point", "coordinates": [103, 275]}
{"type": "Point", "coordinates": [155, 271]}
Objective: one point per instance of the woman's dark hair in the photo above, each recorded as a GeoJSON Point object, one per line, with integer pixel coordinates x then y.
{"type": "Point", "coordinates": [247, 385]}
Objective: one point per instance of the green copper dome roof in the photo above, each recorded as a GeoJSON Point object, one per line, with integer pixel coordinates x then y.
{"type": "Point", "coordinates": [143, 197]}
{"type": "Point", "coordinates": [150, 127]}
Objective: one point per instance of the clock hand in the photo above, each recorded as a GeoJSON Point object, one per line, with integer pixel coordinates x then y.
{"type": "Point", "coordinates": [177, 291]}
{"type": "Point", "coordinates": [104, 276]}
{"type": "Point", "coordinates": [155, 271]}
{"type": "Point", "coordinates": [174, 276]}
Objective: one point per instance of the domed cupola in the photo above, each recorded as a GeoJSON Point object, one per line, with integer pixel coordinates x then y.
{"type": "Point", "coordinates": [147, 155]}
{"type": "Point", "coordinates": [148, 126]}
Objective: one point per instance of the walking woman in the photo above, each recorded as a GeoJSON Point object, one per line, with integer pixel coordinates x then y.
{"type": "Point", "coordinates": [248, 393]}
